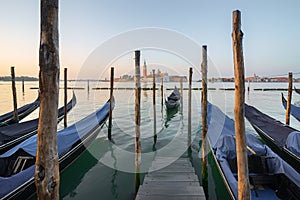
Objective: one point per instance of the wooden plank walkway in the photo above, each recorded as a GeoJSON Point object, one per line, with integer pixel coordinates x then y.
{"type": "Point", "coordinates": [176, 181]}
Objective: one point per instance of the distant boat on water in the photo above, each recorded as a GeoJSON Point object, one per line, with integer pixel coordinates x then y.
{"type": "Point", "coordinates": [172, 101]}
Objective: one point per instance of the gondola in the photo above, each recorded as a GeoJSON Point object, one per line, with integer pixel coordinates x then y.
{"type": "Point", "coordinates": [269, 176]}
{"type": "Point", "coordinates": [16, 133]}
{"type": "Point", "coordinates": [172, 101]}
{"type": "Point", "coordinates": [18, 182]}
{"type": "Point", "coordinates": [283, 139]}
{"type": "Point", "coordinates": [295, 110]}
{"type": "Point", "coordinates": [297, 90]}
{"type": "Point", "coordinates": [23, 112]}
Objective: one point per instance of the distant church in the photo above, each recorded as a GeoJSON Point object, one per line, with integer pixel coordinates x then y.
{"type": "Point", "coordinates": [159, 76]}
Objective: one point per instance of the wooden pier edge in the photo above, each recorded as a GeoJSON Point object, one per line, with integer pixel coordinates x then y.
{"type": "Point", "coordinates": [175, 181]}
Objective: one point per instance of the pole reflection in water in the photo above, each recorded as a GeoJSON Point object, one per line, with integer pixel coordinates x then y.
{"type": "Point", "coordinates": [114, 186]}
{"type": "Point", "coordinates": [145, 90]}
{"type": "Point", "coordinates": [137, 181]}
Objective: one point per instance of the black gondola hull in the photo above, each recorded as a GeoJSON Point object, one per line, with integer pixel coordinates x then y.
{"type": "Point", "coordinates": [28, 189]}
{"type": "Point", "coordinates": [284, 153]}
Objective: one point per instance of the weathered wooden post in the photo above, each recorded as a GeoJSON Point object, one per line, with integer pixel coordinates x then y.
{"type": "Point", "coordinates": [248, 88]}
{"type": "Point", "coordinates": [137, 99]}
{"type": "Point", "coordinates": [190, 107]}
{"type": "Point", "coordinates": [181, 96]}
{"type": "Point", "coordinates": [239, 109]}
{"type": "Point", "coordinates": [137, 118]}
{"type": "Point", "coordinates": [111, 102]}
{"type": "Point", "coordinates": [88, 86]}
{"type": "Point", "coordinates": [14, 92]}
{"type": "Point", "coordinates": [162, 91]}
{"type": "Point", "coordinates": [289, 100]}
{"type": "Point", "coordinates": [47, 169]}
{"type": "Point", "coordinates": [154, 105]}
{"type": "Point", "coordinates": [65, 96]}
{"type": "Point", "coordinates": [23, 86]}
{"type": "Point", "coordinates": [204, 113]}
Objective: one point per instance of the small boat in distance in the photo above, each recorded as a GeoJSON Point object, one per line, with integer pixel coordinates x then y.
{"type": "Point", "coordinates": [295, 110]}
{"type": "Point", "coordinates": [281, 138]}
{"type": "Point", "coordinates": [17, 165]}
{"type": "Point", "coordinates": [23, 112]}
{"type": "Point", "coordinates": [172, 101]}
{"type": "Point", "coordinates": [270, 177]}
{"type": "Point", "coordinates": [16, 133]}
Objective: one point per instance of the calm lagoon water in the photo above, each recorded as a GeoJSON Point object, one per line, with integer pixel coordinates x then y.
{"type": "Point", "coordinates": [106, 170]}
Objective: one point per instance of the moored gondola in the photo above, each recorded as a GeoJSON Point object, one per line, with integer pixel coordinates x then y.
{"type": "Point", "coordinates": [270, 177]}
{"type": "Point", "coordinates": [17, 181]}
{"type": "Point", "coordinates": [295, 110]}
{"type": "Point", "coordinates": [297, 90]}
{"type": "Point", "coordinates": [24, 111]}
{"type": "Point", "coordinates": [282, 139]}
{"type": "Point", "coordinates": [172, 101]}
{"type": "Point", "coordinates": [16, 133]}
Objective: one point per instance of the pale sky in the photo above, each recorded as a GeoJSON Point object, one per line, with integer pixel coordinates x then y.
{"type": "Point", "coordinates": [271, 33]}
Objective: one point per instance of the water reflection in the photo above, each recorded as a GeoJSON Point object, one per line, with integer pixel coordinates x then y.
{"type": "Point", "coordinates": [73, 176]}
{"type": "Point", "coordinates": [114, 186]}
{"type": "Point", "coordinates": [170, 113]}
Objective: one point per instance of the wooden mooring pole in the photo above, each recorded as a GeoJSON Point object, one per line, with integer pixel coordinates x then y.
{"type": "Point", "coordinates": [137, 119]}
{"type": "Point", "coordinates": [23, 86]}
{"type": "Point", "coordinates": [111, 101]}
{"type": "Point", "coordinates": [65, 96]}
{"type": "Point", "coordinates": [289, 100]}
{"type": "Point", "coordinates": [46, 165]}
{"type": "Point", "coordinates": [248, 88]}
{"type": "Point", "coordinates": [204, 114]}
{"type": "Point", "coordinates": [239, 109]}
{"type": "Point", "coordinates": [154, 105]}
{"type": "Point", "coordinates": [190, 107]}
{"type": "Point", "coordinates": [88, 86]}
{"type": "Point", "coordinates": [14, 92]}
{"type": "Point", "coordinates": [162, 91]}
{"type": "Point", "coordinates": [137, 99]}
{"type": "Point", "coordinates": [181, 96]}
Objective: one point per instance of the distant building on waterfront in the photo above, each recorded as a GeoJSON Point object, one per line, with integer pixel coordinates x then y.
{"type": "Point", "coordinates": [159, 76]}
{"type": "Point", "coordinates": [145, 69]}
{"type": "Point", "coordinates": [256, 78]}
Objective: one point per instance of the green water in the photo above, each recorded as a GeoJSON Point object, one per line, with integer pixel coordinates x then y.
{"type": "Point", "coordinates": [87, 178]}
{"type": "Point", "coordinates": [107, 169]}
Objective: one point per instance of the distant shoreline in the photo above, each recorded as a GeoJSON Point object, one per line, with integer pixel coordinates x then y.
{"type": "Point", "coordinates": [18, 78]}
{"type": "Point", "coordinates": [231, 80]}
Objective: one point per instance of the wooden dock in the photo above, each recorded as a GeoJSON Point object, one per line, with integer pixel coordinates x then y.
{"type": "Point", "coordinates": [176, 181]}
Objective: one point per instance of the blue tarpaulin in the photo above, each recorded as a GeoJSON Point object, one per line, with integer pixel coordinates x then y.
{"type": "Point", "coordinates": [66, 138]}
